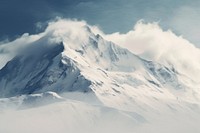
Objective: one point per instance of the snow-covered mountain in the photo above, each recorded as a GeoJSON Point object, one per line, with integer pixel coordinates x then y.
{"type": "Point", "coordinates": [61, 62]}
{"type": "Point", "coordinates": [91, 64]}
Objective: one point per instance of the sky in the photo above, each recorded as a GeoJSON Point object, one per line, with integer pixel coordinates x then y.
{"type": "Point", "coordinates": [31, 16]}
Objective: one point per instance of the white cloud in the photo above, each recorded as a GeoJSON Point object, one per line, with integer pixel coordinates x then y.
{"type": "Point", "coordinates": [71, 31]}
{"type": "Point", "coordinates": [152, 43]}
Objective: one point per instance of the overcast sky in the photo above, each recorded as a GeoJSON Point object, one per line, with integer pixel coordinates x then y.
{"type": "Point", "coordinates": [22, 16]}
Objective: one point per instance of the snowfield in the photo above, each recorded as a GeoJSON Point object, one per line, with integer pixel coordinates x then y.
{"type": "Point", "coordinates": [69, 78]}
{"type": "Point", "coordinates": [75, 116]}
